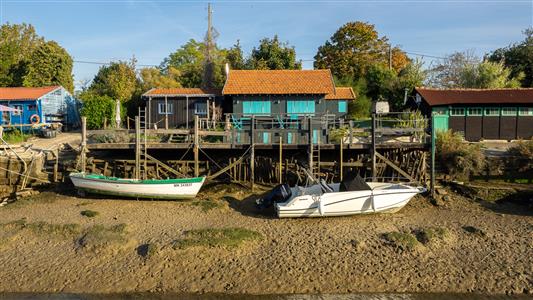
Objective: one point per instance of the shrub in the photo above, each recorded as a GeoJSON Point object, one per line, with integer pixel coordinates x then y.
{"type": "Point", "coordinates": [458, 158]}
{"type": "Point", "coordinates": [15, 136]}
{"type": "Point", "coordinates": [523, 152]}
{"type": "Point", "coordinates": [96, 108]}
{"type": "Point", "coordinates": [416, 120]}
{"type": "Point", "coordinates": [338, 134]}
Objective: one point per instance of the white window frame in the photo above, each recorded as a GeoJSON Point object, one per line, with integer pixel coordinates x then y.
{"type": "Point", "coordinates": [20, 109]}
{"type": "Point", "coordinates": [453, 114]}
{"type": "Point", "coordinates": [161, 108]}
{"type": "Point", "coordinates": [525, 111]}
{"type": "Point", "coordinates": [509, 114]}
{"type": "Point", "coordinates": [478, 113]}
{"type": "Point", "coordinates": [197, 112]}
{"type": "Point", "coordinates": [488, 111]}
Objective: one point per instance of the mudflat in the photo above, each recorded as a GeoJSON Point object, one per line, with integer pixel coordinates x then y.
{"type": "Point", "coordinates": [219, 243]}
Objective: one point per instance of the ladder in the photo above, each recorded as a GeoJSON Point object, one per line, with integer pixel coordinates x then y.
{"type": "Point", "coordinates": [141, 145]}
{"type": "Point", "coordinates": [142, 117]}
{"type": "Point", "coordinates": [315, 158]}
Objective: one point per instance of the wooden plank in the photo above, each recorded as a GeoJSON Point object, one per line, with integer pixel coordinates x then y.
{"type": "Point", "coordinates": [395, 167]}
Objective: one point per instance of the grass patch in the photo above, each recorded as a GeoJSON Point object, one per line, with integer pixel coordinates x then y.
{"type": "Point", "coordinates": [42, 228]}
{"type": "Point", "coordinates": [15, 136]}
{"type": "Point", "coordinates": [84, 203]}
{"type": "Point", "coordinates": [216, 237]}
{"type": "Point", "coordinates": [402, 240]}
{"type": "Point", "coordinates": [432, 234]}
{"type": "Point", "coordinates": [206, 205]}
{"type": "Point", "coordinates": [147, 250]}
{"type": "Point", "coordinates": [474, 230]}
{"type": "Point", "coordinates": [99, 236]}
{"type": "Point", "coordinates": [89, 213]}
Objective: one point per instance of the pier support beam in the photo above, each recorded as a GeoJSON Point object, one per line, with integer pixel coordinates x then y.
{"type": "Point", "coordinates": [252, 153]}
{"type": "Point", "coordinates": [280, 159]}
{"type": "Point", "coordinates": [137, 148]}
{"type": "Point", "coordinates": [196, 148]}
{"type": "Point", "coordinates": [373, 150]}
{"type": "Point", "coordinates": [83, 155]}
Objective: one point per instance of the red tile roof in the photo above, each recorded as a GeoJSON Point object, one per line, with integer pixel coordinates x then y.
{"type": "Point", "coordinates": [25, 93]}
{"type": "Point", "coordinates": [341, 93]}
{"type": "Point", "coordinates": [278, 82]}
{"type": "Point", "coordinates": [476, 96]}
{"type": "Point", "coordinates": [180, 91]}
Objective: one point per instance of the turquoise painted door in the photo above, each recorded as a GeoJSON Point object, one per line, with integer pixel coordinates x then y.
{"type": "Point", "coordinates": [289, 137]}
{"type": "Point", "coordinates": [440, 118]}
{"type": "Point", "coordinates": [265, 137]}
{"type": "Point", "coordinates": [316, 136]}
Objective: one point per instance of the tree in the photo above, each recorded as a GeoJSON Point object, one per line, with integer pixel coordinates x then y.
{"type": "Point", "coordinates": [97, 108]}
{"type": "Point", "coordinates": [447, 73]}
{"type": "Point", "coordinates": [380, 83]}
{"type": "Point", "coordinates": [235, 57]}
{"type": "Point", "coordinates": [17, 42]}
{"type": "Point", "coordinates": [518, 58]}
{"type": "Point", "coordinates": [487, 75]}
{"type": "Point", "coordinates": [188, 60]}
{"type": "Point", "coordinates": [273, 55]}
{"type": "Point", "coordinates": [353, 48]}
{"type": "Point", "coordinates": [118, 81]}
{"type": "Point", "coordinates": [49, 64]}
{"type": "Point", "coordinates": [154, 78]}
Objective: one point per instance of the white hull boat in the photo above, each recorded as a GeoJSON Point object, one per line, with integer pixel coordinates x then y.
{"type": "Point", "coordinates": [339, 199]}
{"type": "Point", "coordinates": [182, 188]}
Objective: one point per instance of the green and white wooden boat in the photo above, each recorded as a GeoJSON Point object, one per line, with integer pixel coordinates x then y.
{"type": "Point", "coordinates": [182, 188]}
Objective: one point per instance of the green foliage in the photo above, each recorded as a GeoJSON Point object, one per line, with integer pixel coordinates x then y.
{"type": "Point", "coordinates": [381, 82]}
{"type": "Point", "coordinates": [518, 58]}
{"type": "Point", "coordinates": [402, 240]}
{"type": "Point", "coordinates": [523, 152]}
{"type": "Point", "coordinates": [458, 158]}
{"type": "Point", "coordinates": [89, 213]}
{"type": "Point", "coordinates": [414, 119]}
{"type": "Point", "coordinates": [117, 80]}
{"type": "Point", "coordinates": [17, 43]}
{"type": "Point", "coordinates": [273, 55]}
{"type": "Point", "coordinates": [432, 235]}
{"type": "Point", "coordinates": [336, 135]}
{"type": "Point", "coordinates": [96, 108]}
{"type": "Point", "coordinates": [235, 57]}
{"type": "Point", "coordinates": [43, 228]}
{"type": "Point", "coordinates": [15, 136]}
{"type": "Point", "coordinates": [353, 48]}
{"type": "Point", "coordinates": [155, 78]}
{"type": "Point", "coordinates": [488, 75]}
{"type": "Point", "coordinates": [50, 64]}
{"type": "Point", "coordinates": [216, 237]}
{"type": "Point", "coordinates": [465, 70]}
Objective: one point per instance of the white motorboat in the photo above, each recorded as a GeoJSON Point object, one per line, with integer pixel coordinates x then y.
{"type": "Point", "coordinates": [341, 199]}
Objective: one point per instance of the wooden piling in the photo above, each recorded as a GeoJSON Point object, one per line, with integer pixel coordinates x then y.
{"type": "Point", "coordinates": [373, 150]}
{"type": "Point", "coordinates": [252, 152]}
{"type": "Point", "coordinates": [341, 159]}
{"type": "Point", "coordinates": [280, 159]}
{"type": "Point", "coordinates": [83, 156]}
{"type": "Point", "coordinates": [196, 149]}
{"type": "Point", "coordinates": [137, 148]}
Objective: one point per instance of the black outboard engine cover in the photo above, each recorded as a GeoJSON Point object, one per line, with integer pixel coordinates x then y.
{"type": "Point", "coordinates": [280, 193]}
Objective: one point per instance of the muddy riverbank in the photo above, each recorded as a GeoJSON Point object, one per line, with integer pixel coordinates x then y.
{"type": "Point", "coordinates": [460, 246]}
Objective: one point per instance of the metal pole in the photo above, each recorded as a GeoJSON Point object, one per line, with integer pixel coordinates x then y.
{"type": "Point", "coordinates": [373, 146]}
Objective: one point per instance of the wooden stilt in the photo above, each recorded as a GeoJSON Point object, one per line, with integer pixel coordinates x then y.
{"type": "Point", "coordinates": [341, 160]}
{"type": "Point", "coordinates": [137, 148]}
{"type": "Point", "coordinates": [196, 148]}
{"type": "Point", "coordinates": [280, 159]}
{"type": "Point", "coordinates": [252, 153]}
{"type": "Point", "coordinates": [83, 156]}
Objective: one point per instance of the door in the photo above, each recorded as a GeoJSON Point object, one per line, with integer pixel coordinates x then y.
{"type": "Point", "coordinates": [440, 118]}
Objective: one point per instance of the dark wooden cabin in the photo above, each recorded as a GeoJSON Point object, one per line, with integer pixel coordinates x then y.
{"type": "Point", "coordinates": [286, 92]}
{"type": "Point", "coordinates": [480, 114]}
{"type": "Point", "coordinates": [177, 107]}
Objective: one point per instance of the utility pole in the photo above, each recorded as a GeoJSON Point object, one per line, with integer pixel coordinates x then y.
{"type": "Point", "coordinates": [210, 37]}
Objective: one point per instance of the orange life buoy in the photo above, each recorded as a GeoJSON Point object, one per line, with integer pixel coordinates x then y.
{"type": "Point", "coordinates": [35, 119]}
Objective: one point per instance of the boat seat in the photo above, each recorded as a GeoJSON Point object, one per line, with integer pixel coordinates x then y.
{"type": "Point", "coordinates": [325, 187]}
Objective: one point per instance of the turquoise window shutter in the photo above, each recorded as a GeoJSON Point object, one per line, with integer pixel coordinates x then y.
{"type": "Point", "coordinates": [342, 107]}
{"type": "Point", "coordinates": [256, 107]}
{"type": "Point", "coordinates": [300, 107]}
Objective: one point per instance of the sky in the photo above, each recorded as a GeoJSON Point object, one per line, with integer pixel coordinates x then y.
{"type": "Point", "coordinates": [103, 31]}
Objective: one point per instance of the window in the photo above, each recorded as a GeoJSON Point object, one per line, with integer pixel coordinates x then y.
{"type": "Point", "coordinates": [475, 111]}
{"type": "Point", "coordinates": [32, 107]}
{"type": "Point", "coordinates": [525, 111]}
{"type": "Point", "coordinates": [440, 110]}
{"type": "Point", "coordinates": [200, 108]}
{"type": "Point", "coordinates": [301, 107]}
{"type": "Point", "coordinates": [509, 111]}
{"type": "Point", "coordinates": [168, 110]}
{"type": "Point", "coordinates": [492, 111]}
{"type": "Point", "coordinates": [256, 107]}
{"type": "Point", "coordinates": [19, 112]}
{"type": "Point", "coordinates": [343, 107]}
{"type": "Point", "coordinates": [457, 112]}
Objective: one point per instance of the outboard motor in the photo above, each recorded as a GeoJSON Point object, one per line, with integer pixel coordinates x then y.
{"type": "Point", "coordinates": [280, 193]}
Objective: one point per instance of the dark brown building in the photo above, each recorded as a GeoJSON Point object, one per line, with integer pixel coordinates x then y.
{"type": "Point", "coordinates": [501, 114]}
{"type": "Point", "coordinates": [177, 107]}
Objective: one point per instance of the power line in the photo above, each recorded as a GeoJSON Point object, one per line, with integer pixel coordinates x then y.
{"type": "Point", "coordinates": [108, 63]}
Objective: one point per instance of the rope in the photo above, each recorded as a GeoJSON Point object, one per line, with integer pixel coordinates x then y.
{"type": "Point", "coordinates": [34, 178]}
{"type": "Point", "coordinates": [186, 151]}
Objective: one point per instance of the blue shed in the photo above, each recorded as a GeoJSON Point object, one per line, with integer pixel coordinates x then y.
{"type": "Point", "coordinates": [39, 105]}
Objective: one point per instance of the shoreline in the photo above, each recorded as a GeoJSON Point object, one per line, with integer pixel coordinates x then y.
{"type": "Point", "coordinates": [487, 248]}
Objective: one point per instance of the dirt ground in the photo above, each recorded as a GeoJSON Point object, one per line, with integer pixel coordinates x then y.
{"type": "Point", "coordinates": [488, 248]}
{"type": "Point", "coordinates": [72, 138]}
